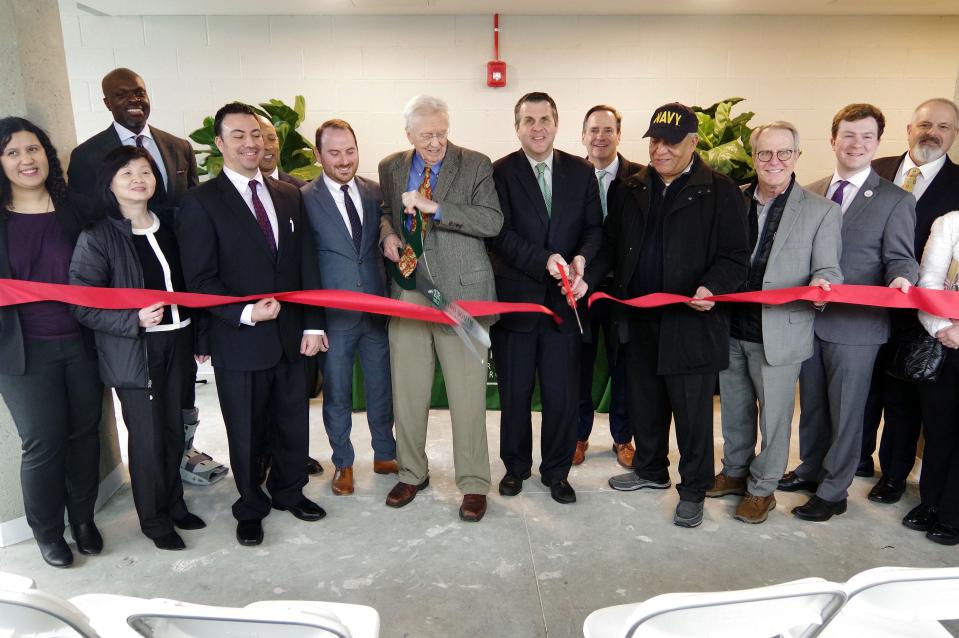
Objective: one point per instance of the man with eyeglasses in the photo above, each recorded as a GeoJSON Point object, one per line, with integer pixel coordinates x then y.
{"type": "Point", "coordinates": [878, 228]}
{"type": "Point", "coordinates": [794, 237]}
{"type": "Point", "coordinates": [440, 198]}
{"type": "Point", "coordinates": [927, 172]}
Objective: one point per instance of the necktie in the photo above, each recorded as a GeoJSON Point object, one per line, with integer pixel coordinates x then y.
{"type": "Point", "coordinates": [837, 196]}
{"type": "Point", "coordinates": [262, 219]}
{"type": "Point", "coordinates": [544, 187]}
{"type": "Point", "coordinates": [355, 226]}
{"type": "Point", "coordinates": [139, 141]}
{"type": "Point", "coordinates": [910, 182]}
{"type": "Point", "coordinates": [601, 176]}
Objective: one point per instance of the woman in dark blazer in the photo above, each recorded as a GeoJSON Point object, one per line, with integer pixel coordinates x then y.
{"type": "Point", "coordinates": [48, 372]}
{"type": "Point", "coordinates": [145, 354]}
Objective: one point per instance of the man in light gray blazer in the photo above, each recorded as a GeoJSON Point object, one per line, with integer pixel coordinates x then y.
{"type": "Point", "coordinates": [344, 213]}
{"type": "Point", "coordinates": [878, 231]}
{"type": "Point", "coordinates": [450, 190]}
{"type": "Point", "coordinates": [795, 240]}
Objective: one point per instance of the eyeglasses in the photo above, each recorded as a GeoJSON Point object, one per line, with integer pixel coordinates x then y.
{"type": "Point", "coordinates": [428, 137]}
{"type": "Point", "coordinates": [783, 155]}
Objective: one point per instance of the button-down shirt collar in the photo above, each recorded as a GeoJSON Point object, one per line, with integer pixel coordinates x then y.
{"type": "Point", "coordinates": [548, 161]}
{"type": "Point", "coordinates": [927, 173]}
{"type": "Point", "coordinates": [852, 188]}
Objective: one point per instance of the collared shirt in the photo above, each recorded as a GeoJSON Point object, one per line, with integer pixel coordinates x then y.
{"type": "Point", "coordinates": [927, 173]}
{"type": "Point", "coordinates": [276, 173]}
{"type": "Point", "coordinates": [689, 168]}
{"type": "Point", "coordinates": [610, 171]}
{"type": "Point", "coordinates": [416, 177]}
{"type": "Point", "coordinates": [336, 191]}
{"type": "Point", "coordinates": [852, 188]}
{"type": "Point", "coordinates": [549, 166]}
{"type": "Point", "coordinates": [129, 138]}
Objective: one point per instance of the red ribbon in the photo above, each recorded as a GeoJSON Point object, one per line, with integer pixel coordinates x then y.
{"type": "Point", "coordinates": [943, 303]}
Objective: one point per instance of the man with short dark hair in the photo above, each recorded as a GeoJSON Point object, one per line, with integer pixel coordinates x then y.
{"type": "Point", "coordinates": [676, 226]}
{"type": "Point", "coordinates": [270, 164]}
{"type": "Point", "coordinates": [242, 234]}
{"type": "Point", "coordinates": [602, 127]}
{"type": "Point", "coordinates": [551, 223]}
{"type": "Point", "coordinates": [878, 228]}
{"type": "Point", "coordinates": [344, 214]}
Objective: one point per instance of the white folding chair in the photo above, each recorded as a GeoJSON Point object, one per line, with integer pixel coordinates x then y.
{"type": "Point", "coordinates": [27, 612]}
{"type": "Point", "coordinates": [797, 609]}
{"type": "Point", "coordinates": [898, 601]}
{"type": "Point", "coordinates": [119, 616]}
{"type": "Point", "coordinates": [361, 620]}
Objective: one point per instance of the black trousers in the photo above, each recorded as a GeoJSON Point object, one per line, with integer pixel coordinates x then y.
{"type": "Point", "coordinates": [272, 399]}
{"type": "Point", "coordinates": [56, 406]}
{"type": "Point", "coordinates": [520, 357]}
{"type": "Point", "coordinates": [155, 431]}
{"type": "Point", "coordinates": [599, 326]}
{"type": "Point", "coordinates": [939, 481]}
{"type": "Point", "coordinates": [655, 399]}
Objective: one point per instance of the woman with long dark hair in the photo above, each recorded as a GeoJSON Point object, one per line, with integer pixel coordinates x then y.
{"type": "Point", "coordinates": [144, 354]}
{"type": "Point", "coordinates": [48, 371]}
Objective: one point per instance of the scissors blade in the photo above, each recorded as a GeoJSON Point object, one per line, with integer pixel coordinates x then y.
{"type": "Point", "coordinates": [464, 325]}
{"type": "Point", "coordinates": [570, 298]}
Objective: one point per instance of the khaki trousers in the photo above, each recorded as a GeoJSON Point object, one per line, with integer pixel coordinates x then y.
{"type": "Point", "coordinates": [412, 344]}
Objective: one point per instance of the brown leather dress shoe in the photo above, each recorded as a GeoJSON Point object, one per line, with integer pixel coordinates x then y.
{"type": "Point", "coordinates": [723, 485]}
{"type": "Point", "coordinates": [755, 509]}
{"type": "Point", "coordinates": [343, 481]}
{"type": "Point", "coordinates": [624, 454]}
{"type": "Point", "coordinates": [473, 508]}
{"type": "Point", "coordinates": [386, 467]}
{"type": "Point", "coordinates": [579, 455]}
{"type": "Point", "coordinates": [402, 493]}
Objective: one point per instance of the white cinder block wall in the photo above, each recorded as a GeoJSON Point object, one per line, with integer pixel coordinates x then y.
{"type": "Point", "coordinates": [364, 68]}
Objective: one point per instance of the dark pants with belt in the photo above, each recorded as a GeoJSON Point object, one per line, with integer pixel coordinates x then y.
{"type": "Point", "coordinates": [520, 357]}
{"type": "Point", "coordinates": [56, 406]}
{"type": "Point", "coordinates": [939, 482]}
{"type": "Point", "coordinates": [655, 399]}
{"type": "Point", "coordinates": [155, 431]}
{"type": "Point", "coordinates": [273, 399]}
{"type": "Point", "coordinates": [599, 326]}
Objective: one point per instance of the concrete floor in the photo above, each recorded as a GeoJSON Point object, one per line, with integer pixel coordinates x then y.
{"type": "Point", "coordinates": [532, 568]}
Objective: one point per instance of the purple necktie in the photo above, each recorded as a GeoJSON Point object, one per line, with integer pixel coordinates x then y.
{"type": "Point", "coordinates": [262, 219]}
{"type": "Point", "coordinates": [837, 196]}
{"type": "Point", "coordinates": [356, 228]}
{"type": "Point", "coordinates": [139, 141]}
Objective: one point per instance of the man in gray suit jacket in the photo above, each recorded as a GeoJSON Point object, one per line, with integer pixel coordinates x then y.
{"type": "Point", "coordinates": [344, 213]}
{"type": "Point", "coordinates": [451, 189]}
{"type": "Point", "coordinates": [878, 229]}
{"type": "Point", "coordinates": [795, 240]}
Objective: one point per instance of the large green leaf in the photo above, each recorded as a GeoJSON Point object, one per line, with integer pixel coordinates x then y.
{"type": "Point", "coordinates": [205, 134]}
{"type": "Point", "coordinates": [307, 173]}
{"type": "Point", "coordinates": [706, 130]}
{"type": "Point", "coordinates": [280, 112]}
{"type": "Point", "coordinates": [299, 105]}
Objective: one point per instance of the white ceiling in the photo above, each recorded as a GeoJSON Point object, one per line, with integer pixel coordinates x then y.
{"type": "Point", "coordinates": [865, 8]}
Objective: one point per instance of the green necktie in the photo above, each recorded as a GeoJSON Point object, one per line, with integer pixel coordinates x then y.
{"type": "Point", "coordinates": [544, 187]}
{"type": "Point", "coordinates": [601, 176]}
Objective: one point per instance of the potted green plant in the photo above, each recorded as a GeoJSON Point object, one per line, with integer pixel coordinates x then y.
{"type": "Point", "coordinates": [724, 140]}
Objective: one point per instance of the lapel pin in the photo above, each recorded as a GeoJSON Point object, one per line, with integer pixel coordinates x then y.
{"type": "Point", "coordinates": [867, 194]}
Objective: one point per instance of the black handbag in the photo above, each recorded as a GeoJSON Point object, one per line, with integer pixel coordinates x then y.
{"type": "Point", "coordinates": [917, 357]}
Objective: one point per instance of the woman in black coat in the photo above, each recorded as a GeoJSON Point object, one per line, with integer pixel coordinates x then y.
{"type": "Point", "coordinates": [48, 371]}
{"type": "Point", "coordinates": [144, 354]}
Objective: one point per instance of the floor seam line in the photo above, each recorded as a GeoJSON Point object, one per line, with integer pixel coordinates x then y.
{"type": "Point", "coordinates": [532, 561]}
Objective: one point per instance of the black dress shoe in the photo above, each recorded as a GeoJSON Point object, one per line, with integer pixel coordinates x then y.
{"type": "Point", "coordinates": [57, 553]}
{"type": "Point", "coordinates": [921, 518]}
{"type": "Point", "coordinates": [189, 521]}
{"type": "Point", "coordinates": [887, 491]}
{"type": "Point", "coordinates": [305, 510]}
{"type": "Point", "coordinates": [171, 541]}
{"type": "Point", "coordinates": [940, 533]}
{"type": "Point", "coordinates": [249, 532]}
{"type": "Point", "coordinates": [817, 509]}
{"type": "Point", "coordinates": [792, 482]}
{"type": "Point", "coordinates": [313, 466]}
{"type": "Point", "coordinates": [866, 468]}
{"type": "Point", "coordinates": [88, 538]}
{"type": "Point", "coordinates": [562, 492]}
{"type": "Point", "coordinates": [512, 484]}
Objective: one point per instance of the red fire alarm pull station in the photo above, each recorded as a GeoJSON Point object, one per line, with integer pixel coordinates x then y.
{"type": "Point", "coordinates": [496, 69]}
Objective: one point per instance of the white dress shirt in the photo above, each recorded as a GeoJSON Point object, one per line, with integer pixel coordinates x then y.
{"type": "Point", "coordinates": [548, 173]}
{"type": "Point", "coordinates": [855, 183]}
{"type": "Point", "coordinates": [610, 171]}
{"type": "Point", "coordinates": [129, 138]}
{"type": "Point", "coordinates": [927, 173]}
{"type": "Point", "coordinates": [340, 201]}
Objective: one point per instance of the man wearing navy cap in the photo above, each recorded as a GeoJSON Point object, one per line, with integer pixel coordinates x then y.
{"type": "Point", "coordinates": [676, 226]}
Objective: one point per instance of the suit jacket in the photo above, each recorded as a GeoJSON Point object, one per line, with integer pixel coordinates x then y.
{"type": "Point", "coordinates": [807, 244]}
{"type": "Point", "coordinates": [704, 244]}
{"type": "Point", "coordinates": [289, 179]}
{"type": "Point", "coordinates": [878, 229]}
{"type": "Point", "coordinates": [341, 267]}
{"type": "Point", "coordinates": [940, 197]}
{"type": "Point", "coordinates": [223, 252]}
{"type": "Point", "coordinates": [178, 160]}
{"type": "Point", "coordinates": [470, 212]}
{"type": "Point", "coordinates": [530, 234]}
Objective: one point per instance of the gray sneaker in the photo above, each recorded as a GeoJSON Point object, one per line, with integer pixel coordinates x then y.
{"type": "Point", "coordinates": [688, 514]}
{"type": "Point", "coordinates": [629, 481]}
